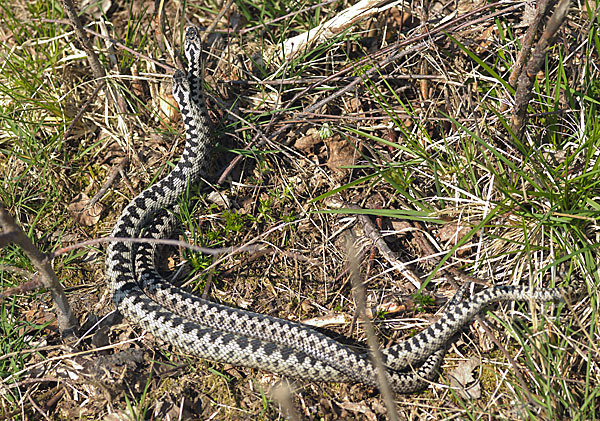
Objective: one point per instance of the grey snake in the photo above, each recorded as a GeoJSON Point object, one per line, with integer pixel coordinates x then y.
{"type": "Point", "coordinates": [238, 337]}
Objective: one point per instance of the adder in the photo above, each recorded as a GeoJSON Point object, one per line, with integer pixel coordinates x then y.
{"type": "Point", "coordinates": [221, 333]}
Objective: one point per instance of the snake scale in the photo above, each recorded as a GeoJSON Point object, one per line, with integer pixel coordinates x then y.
{"type": "Point", "coordinates": [238, 337]}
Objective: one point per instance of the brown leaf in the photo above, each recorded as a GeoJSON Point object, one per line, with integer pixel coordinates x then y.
{"type": "Point", "coordinates": [340, 153]}
{"type": "Point", "coordinates": [353, 105]}
{"type": "Point", "coordinates": [453, 232]}
{"type": "Point", "coordinates": [307, 142]}
{"type": "Point", "coordinates": [402, 227]}
{"type": "Point", "coordinates": [400, 16]}
{"type": "Point", "coordinates": [462, 380]}
{"type": "Point", "coordinates": [169, 110]}
{"type": "Point", "coordinates": [358, 407]}
{"type": "Point", "coordinates": [82, 213]}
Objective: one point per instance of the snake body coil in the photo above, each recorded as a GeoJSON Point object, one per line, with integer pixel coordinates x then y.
{"type": "Point", "coordinates": [221, 333]}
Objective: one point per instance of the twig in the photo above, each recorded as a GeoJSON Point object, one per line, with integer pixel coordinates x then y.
{"type": "Point", "coordinates": [426, 248]}
{"type": "Point", "coordinates": [374, 234]}
{"type": "Point", "coordinates": [523, 56]}
{"type": "Point", "coordinates": [111, 179]}
{"type": "Point", "coordinates": [32, 285]}
{"type": "Point", "coordinates": [19, 271]}
{"type": "Point", "coordinates": [524, 93]}
{"type": "Point", "coordinates": [117, 43]}
{"type": "Point", "coordinates": [338, 79]}
{"type": "Point", "coordinates": [372, 72]}
{"type": "Point", "coordinates": [216, 20]}
{"type": "Point", "coordinates": [333, 27]}
{"type": "Point", "coordinates": [163, 241]}
{"type": "Point", "coordinates": [376, 68]}
{"type": "Point", "coordinates": [361, 305]}
{"type": "Point", "coordinates": [67, 321]}
{"type": "Point", "coordinates": [289, 15]}
{"type": "Point", "coordinates": [97, 68]}
{"type": "Point", "coordinates": [37, 407]}
{"type": "Point", "coordinates": [507, 355]}
{"type": "Point", "coordinates": [82, 111]}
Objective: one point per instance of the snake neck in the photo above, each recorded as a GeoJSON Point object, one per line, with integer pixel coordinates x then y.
{"type": "Point", "coordinates": [165, 193]}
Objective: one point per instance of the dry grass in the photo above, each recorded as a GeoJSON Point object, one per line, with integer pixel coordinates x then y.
{"type": "Point", "coordinates": [421, 139]}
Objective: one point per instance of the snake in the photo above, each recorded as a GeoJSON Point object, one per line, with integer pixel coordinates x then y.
{"type": "Point", "coordinates": [227, 334]}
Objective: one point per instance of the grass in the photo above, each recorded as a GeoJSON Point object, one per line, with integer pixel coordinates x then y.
{"type": "Point", "coordinates": [431, 145]}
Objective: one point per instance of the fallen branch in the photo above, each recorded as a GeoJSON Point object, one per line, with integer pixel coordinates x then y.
{"type": "Point", "coordinates": [343, 20]}
{"type": "Point", "coordinates": [524, 92]}
{"type": "Point", "coordinates": [11, 233]}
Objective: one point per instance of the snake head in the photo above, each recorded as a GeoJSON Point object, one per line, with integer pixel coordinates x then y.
{"type": "Point", "coordinates": [192, 33]}
{"type": "Point", "coordinates": [193, 43]}
{"type": "Point", "coordinates": [193, 51]}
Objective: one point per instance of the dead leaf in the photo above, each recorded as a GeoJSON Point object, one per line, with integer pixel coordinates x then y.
{"type": "Point", "coordinates": [340, 153]}
{"type": "Point", "coordinates": [82, 213]}
{"type": "Point", "coordinates": [359, 407]}
{"type": "Point", "coordinates": [400, 16]}
{"type": "Point", "coordinates": [353, 105]}
{"type": "Point", "coordinates": [453, 232]}
{"type": "Point", "coordinates": [387, 308]}
{"type": "Point", "coordinates": [326, 320]}
{"type": "Point", "coordinates": [169, 110]}
{"type": "Point", "coordinates": [402, 227]}
{"type": "Point", "coordinates": [37, 314]}
{"type": "Point", "coordinates": [219, 199]}
{"type": "Point", "coordinates": [462, 380]}
{"type": "Point", "coordinates": [310, 140]}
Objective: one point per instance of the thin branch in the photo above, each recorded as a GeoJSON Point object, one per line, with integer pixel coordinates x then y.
{"type": "Point", "coordinates": [162, 241]}
{"type": "Point", "coordinates": [29, 286]}
{"type": "Point", "coordinates": [361, 305]}
{"type": "Point", "coordinates": [524, 92]}
{"type": "Point", "coordinates": [333, 27]}
{"type": "Point", "coordinates": [400, 49]}
{"type": "Point", "coordinates": [372, 72]}
{"type": "Point", "coordinates": [216, 20]}
{"type": "Point", "coordinates": [110, 180]}
{"type": "Point", "coordinates": [287, 16]}
{"type": "Point", "coordinates": [92, 57]}
{"type": "Point", "coordinates": [116, 43]}
{"type": "Point", "coordinates": [67, 321]}
{"type": "Point", "coordinates": [523, 56]}
{"type": "Point", "coordinates": [83, 109]}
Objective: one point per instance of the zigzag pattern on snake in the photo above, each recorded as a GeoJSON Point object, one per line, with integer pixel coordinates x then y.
{"type": "Point", "coordinates": [221, 333]}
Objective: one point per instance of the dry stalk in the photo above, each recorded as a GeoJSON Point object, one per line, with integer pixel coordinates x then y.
{"type": "Point", "coordinates": [92, 57]}
{"type": "Point", "coordinates": [524, 92]}
{"type": "Point", "coordinates": [11, 233]}
{"type": "Point", "coordinates": [361, 305]}
{"type": "Point", "coordinates": [343, 20]}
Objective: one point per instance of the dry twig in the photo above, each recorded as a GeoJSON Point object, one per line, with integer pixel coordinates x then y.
{"type": "Point", "coordinates": [523, 93]}
{"type": "Point", "coordinates": [333, 27]}
{"type": "Point", "coordinates": [11, 233]}
{"type": "Point", "coordinates": [361, 306]}
{"type": "Point", "coordinates": [92, 57]}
